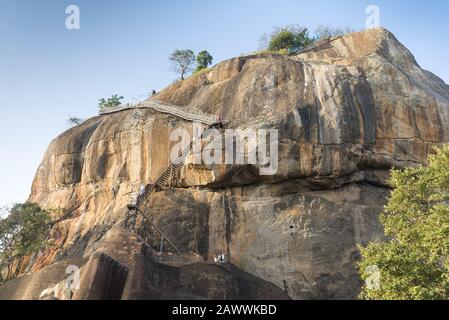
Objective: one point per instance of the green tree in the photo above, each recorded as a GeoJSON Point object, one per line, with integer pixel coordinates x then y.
{"type": "Point", "coordinates": [414, 263]}
{"type": "Point", "coordinates": [74, 121]}
{"type": "Point", "coordinates": [112, 102]}
{"type": "Point", "coordinates": [182, 62]}
{"type": "Point", "coordinates": [203, 60]}
{"type": "Point", "coordinates": [288, 39]}
{"type": "Point", "coordinates": [22, 233]}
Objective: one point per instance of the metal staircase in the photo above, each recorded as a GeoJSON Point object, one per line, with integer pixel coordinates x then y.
{"type": "Point", "coordinates": [164, 178]}
{"type": "Point", "coordinates": [150, 189]}
{"type": "Point", "coordinates": [163, 236]}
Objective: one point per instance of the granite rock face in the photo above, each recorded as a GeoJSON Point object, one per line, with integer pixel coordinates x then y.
{"type": "Point", "coordinates": [346, 111]}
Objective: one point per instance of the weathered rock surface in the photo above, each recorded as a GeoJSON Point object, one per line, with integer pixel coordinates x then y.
{"type": "Point", "coordinates": [347, 111]}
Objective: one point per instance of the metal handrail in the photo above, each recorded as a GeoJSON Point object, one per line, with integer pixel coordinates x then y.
{"type": "Point", "coordinates": [181, 112]}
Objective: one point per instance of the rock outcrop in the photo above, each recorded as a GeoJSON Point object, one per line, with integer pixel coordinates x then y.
{"type": "Point", "coordinates": [346, 111]}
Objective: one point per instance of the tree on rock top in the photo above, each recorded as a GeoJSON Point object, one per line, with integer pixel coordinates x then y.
{"type": "Point", "coordinates": [414, 263]}
{"type": "Point", "coordinates": [203, 60]}
{"type": "Point", "coordinates": [294, 38]}
{"type": "Point", "coordinates": [182, 62]}
{"type": "Point", "coordinates": [112, 102]}
{"type": "Point", "coordinates": [288, 39]}
{"type": "Point", "coordinates": [74, 121]}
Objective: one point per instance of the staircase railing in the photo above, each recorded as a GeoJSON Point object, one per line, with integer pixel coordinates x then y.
{"type": "Point", "coordinates": [164, 235]}
{"type": "Point", "coordinates": [160, 183]}
{"type": "Point", "coordinates": [181, 112]}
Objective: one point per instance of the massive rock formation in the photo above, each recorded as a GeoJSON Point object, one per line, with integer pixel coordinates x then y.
{"type": "Point", "coordinates": [347, 111]}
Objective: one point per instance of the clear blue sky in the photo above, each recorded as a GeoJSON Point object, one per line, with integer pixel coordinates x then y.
{"type": "Point", "coordinates": [48, 73]}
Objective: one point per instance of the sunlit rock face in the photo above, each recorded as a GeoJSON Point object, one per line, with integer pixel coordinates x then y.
{"type": "Point", "coordinates": [346, 112]}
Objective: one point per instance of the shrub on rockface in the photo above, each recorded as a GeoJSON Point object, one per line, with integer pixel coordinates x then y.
{"type": "Point", "coordinates": [414, 263]}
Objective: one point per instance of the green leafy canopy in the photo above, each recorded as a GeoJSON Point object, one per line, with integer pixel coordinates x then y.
{"type": "Point", "coordinates": [203, 60]}
{"type": "Point", "coordinates": [182, 62]}
{"type": "Point", "coordinates": [290, 39]}
{"type": "Point", "coordinates": [414, 262]}
{"type": "Point", "coordinates": [22, 233]}
{"type": "Point", "coordinates": [113, 101]}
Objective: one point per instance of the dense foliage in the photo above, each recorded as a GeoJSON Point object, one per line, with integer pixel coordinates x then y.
{"type": "Point", "coordinates": [289, 39]}
{"type": "Point", "coordinates": [414, 263]}
{"type": "Point", "coordinates": [294, 38]}
{"type": "Point", "coordinates": [203, 60]}
{"type": "Point", "coordinates": [22, 233]}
